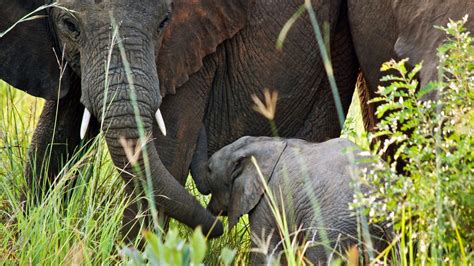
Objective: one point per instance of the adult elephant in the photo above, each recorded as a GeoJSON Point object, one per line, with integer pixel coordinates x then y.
{"type": "Point", "coordinates": [196, 61]}
{"type": "Point", "coordinates": [399, 29]}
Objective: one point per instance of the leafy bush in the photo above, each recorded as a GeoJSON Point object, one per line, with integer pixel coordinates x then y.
{"type": "Point", "coordinates": [430, 204]}
{"type": "Point", "coordinates": [174, 250]}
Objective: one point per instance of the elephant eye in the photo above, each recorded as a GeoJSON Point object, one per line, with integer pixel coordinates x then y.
{"type": "Point", "coordinates": [237, 168]}
{"type": "Point", "coordinates": [165, 21]}
{"type": "Point", "coordinates": [71, 26]}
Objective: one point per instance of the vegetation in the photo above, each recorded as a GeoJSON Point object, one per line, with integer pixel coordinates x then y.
{"type": "Point", "coordinates": [55, 231]}
{"type": "Point", "coordinates": [430, 206]}
{"type": "Point", "coordinates": [74, 224]}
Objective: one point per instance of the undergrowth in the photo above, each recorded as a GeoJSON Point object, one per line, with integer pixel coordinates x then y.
{"type": "Point", "coordinates": [79, 220]}
{"type": "Point", "coordinates": [431, 202]}
{"type": "Point", "coordinates": [430, 207]}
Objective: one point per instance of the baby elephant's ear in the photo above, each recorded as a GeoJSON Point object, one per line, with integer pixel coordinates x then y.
{"type": "Point", "coordinates": [257, 162]}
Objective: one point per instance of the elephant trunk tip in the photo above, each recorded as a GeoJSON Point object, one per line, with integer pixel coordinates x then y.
{"type": "Point", "coordinates": [216, 229]}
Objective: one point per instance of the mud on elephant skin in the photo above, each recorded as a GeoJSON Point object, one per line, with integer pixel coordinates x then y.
{"type": "Point", "coordinates": [295, 171]}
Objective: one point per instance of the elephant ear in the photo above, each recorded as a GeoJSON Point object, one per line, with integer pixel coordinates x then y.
{"type": "Point", "coordinates": [418, 38]}
{"type": "Point", "coordinates": [27, 58]}
{"type": "Point", "coordinates": [248, 187]}
{"type": "Point", "coordinates": [197, 27]}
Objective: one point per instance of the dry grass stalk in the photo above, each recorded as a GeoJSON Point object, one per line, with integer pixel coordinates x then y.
{"type": "Point", "coordinates": [268, 107]}
{"type": "Point", "coordinates": [133, 153]}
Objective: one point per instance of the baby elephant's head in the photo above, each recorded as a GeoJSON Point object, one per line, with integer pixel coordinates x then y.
{"type": "Point", "coordinates": [235, 181]}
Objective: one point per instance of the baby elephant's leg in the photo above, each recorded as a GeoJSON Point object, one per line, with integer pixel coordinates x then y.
{"type": "Point", "coordinates": [266, 247]}
{"type": "Point", "coordinates": [266, 243]}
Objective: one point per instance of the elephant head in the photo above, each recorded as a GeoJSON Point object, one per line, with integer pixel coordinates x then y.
{"type": "Point", "coordinates": [235, 181]}
{"type": "Point", "coordinates": [158, 45]}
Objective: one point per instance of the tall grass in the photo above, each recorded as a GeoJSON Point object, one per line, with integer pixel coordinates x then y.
{"type": "Point", "coordinates": [77, 223]}
{"type": "Point", "coordinates": [71, 222]}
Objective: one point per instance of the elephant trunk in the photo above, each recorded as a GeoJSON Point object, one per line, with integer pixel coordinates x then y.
{"type": "Point", "coordinates": [169, 194]}
{"type": "Point", "coordinates": [112, 103]}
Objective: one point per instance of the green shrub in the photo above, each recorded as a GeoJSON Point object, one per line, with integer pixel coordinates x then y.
{"type": "Point", "coordinates": [174, 250]}
{"type": "Point", "coordinates": [430, 204]}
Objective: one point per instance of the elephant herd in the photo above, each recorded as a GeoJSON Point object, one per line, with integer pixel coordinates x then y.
{"type": "Point", "coordinates": [183, 72]}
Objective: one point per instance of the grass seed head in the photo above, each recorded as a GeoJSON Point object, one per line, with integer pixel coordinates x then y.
{"type": "Point", "coordinates": [268, 107]}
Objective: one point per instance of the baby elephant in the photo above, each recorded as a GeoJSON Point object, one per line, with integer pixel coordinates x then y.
{"type": "Point", "coordinates": [311, 184]}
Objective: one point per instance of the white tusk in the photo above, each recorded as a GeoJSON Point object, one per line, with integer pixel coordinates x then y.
{"type": "Point", "coordinates": [86, 118]}
{"type": "Point", "coordinates": [161, 122]}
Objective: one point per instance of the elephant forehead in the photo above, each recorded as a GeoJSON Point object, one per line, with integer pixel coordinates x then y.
{"type": "Point", "coordinates": [94, 13]}
{"type": "Point", "coordinates": [146, 6]}
{"type": "Point", "coordinates": [115, 2]}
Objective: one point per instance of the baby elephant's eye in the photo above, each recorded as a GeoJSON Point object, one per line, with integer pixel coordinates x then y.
{"type": "Point", "coordinates": [237, 168]}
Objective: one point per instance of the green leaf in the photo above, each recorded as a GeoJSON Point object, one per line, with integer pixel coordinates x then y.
{"type": "Point", "coordinates": [433, 85]}
{"type": "Point", "coordinates": [227, 256]}
{"type": "Point", "coordinates": [134, 256]}
{"type": "Point", "coordinates": [391, 78]}
{"type": "Point", "coordinates": [154, 248]}
{"type": "Point", "coordinates": [198, 247]}
{"type": "Point", "coordinates": [187, 256]}
{"type": "Point", "coordinates": [381, 110]}
{"type": "Point", "coordinates": [415, 70]}
{"type": "Point", "coordinates": [377, 100]}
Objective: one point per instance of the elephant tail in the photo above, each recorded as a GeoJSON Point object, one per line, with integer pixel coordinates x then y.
{"type": "Point", "coordinates": [368, 109]}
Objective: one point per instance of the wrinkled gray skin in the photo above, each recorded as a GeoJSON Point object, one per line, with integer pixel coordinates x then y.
{"type": "Point", "coordinates": [297, 172]}
{"type": "Point", "coordinates": [200, 68]}
{"type": "Point", "coordinates": [398, 29]}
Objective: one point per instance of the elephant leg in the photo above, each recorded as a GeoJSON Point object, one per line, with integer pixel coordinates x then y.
{"type": "Point", "coordinates": [265, 238]}
{"type": "Point", "coordinates": [55, 139]}
{"type": "Point", "coordinates": [322, 122]}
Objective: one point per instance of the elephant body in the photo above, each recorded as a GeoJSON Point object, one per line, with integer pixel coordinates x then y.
{"type": "Point", "coordinates": [199, 62]}
{"type": "Point", "coordinates": [245, 65]}
{"type": "Point", "coordinates": [311, 185]}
